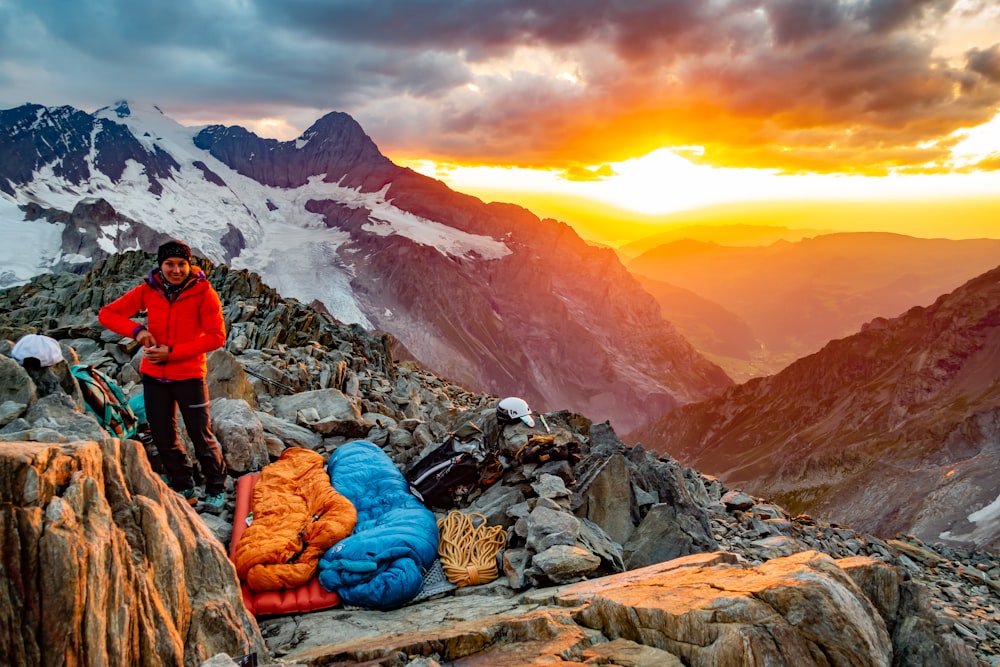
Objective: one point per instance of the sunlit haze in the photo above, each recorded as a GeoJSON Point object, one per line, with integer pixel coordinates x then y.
{"type": "Point", "coordinates": [664, 187]}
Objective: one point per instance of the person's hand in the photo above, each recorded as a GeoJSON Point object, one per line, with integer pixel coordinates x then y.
{"type": "Point", "coordinates": [146, 339]}
{"type": "Point", "coordinates": [157, 354]}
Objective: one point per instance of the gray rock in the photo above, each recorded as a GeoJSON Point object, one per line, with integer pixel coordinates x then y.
{"type": "Point", "coordinates": [658, 538]}
{"type": "Point", "coordinates": [607, 498]}
{"type": "Point", "coordinates": [495, 503]}
{"type": "Point", "coordinates": [240, 434]}
{"type": "Point", "coordinates": [562, 563]}
{"type": "Point", "coordinates": [289, 434]}
{"type": "Point", "coordinates": [10, 410]}
{"type": "Point", "coordinates": [737, 500]}
{"type": "Point", "coordinates": [15, 384]}
{"type": "Point", "coordinates": [548, 527]}
{"type": "Point", "coordinates": [596, 541]}
{"type": "Point", "coordinates": [226, 378]}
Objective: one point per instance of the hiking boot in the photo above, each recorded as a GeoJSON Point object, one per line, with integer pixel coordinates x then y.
{"type": "Point", "coordinates": [214, 503]}
{"type": "Point", "coordinates": [190, 495]}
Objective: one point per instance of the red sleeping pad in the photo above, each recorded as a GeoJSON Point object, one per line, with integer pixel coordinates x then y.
{"type": "Point", "coordinates": [308, 597]}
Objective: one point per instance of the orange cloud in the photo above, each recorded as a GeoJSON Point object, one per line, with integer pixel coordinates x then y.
{"type": "Point", "coordinates": [814, 86]}
{"type": "Point", "coordinates": [991, 163]}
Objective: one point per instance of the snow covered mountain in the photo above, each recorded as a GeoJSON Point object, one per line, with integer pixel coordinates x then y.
{"type": "Point", "coordinates": [487, 295]}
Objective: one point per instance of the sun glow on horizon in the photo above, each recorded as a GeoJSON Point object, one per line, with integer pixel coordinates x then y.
{"type": "Point", "coordinates": [628, 199]}
{"type": "Point", "coordinates": [664, 181]}
{"type": "Point", "coordinates": [979, 143]}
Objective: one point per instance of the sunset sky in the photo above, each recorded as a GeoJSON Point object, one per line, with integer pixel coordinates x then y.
{"type": "Point", "coordinates": [616, 116]}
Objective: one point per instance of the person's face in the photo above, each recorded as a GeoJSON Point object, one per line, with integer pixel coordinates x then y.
{"type": "Point", "coordinates": [175, 270]}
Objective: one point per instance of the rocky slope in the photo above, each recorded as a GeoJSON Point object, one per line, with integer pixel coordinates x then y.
{"type": "Point", "coordinates": [893, 429]}
{"type": "Point", "coordinates": [655, 564]}
{"type": "Point", "coordinates": [487, 295]}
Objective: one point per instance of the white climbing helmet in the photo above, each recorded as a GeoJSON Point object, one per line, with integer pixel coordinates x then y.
{"type": "Point", "coordinates": [44, 348]}
{"type": "Point", "coordinates": [513, 408]}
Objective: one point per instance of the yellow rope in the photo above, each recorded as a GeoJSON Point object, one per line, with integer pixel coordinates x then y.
{"type": "Point", "coordinates": [468, 548]}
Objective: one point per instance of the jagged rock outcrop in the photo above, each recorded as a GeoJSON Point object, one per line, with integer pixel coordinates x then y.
{"type": "Point", "coordinates": [933, 603]}
{"type": "Point", "coordinates": [703, 610]}
{"type": "Point", "coordinates": [896, 428]}
{"type": "Point", "coordinates": [103, 564]}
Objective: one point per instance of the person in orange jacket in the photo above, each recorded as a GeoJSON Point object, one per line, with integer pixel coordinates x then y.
{"type": "Point", "coordinates": [184, 322]}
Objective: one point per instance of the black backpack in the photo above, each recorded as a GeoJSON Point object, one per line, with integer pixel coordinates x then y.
{"type": "Point", "coordinates": [445, 476]}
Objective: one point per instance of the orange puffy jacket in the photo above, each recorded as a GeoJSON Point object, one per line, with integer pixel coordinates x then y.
{"type": "Point", "coordinates": [192, 324]}
{"type": "Point", "coordinates": [297, 516]}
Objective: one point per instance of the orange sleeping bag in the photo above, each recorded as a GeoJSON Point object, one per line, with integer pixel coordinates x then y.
{"type": "Point", "coordinates": [299, 600]}
{"type": "Point", "coordinates": [297, 516]}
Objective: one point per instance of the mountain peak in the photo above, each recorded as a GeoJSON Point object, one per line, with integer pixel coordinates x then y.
{"type": "Point", "coordinates": [129, 108]}
{"type": "Point", "coordinates": [342, 132]}
{"type": "Point", "coordinates": [335, 121]}
{"type": "Point", "coordinates": [122, 109]}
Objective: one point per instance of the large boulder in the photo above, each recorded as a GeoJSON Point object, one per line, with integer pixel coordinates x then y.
{"type": "Point", "coordinates": [103, 564]}
{"type": "Point", "coordinates": [240, 434]}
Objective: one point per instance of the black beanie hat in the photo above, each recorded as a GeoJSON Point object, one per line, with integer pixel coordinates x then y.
{"type": "Point", "coordinates": [173, 249]}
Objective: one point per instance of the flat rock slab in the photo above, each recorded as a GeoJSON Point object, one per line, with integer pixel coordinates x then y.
{"type": "Point", "coordinates": [706, 609]}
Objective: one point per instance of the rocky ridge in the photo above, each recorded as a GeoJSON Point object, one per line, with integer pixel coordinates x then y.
{"type": "Point", "coordinates": [580, 536]}
{"type": "Point", "coordinates": [893, 429]}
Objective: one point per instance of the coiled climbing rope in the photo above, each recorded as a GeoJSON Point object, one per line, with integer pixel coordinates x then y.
{"type": "Point", "coordinates": [468, 548]}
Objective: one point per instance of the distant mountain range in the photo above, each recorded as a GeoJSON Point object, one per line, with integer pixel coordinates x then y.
{"type": "Point", "coordinates": [722, 234]}
{"type": "Point", "coordinates": [486, 295]}
{"type": "Point", "coordinates": [895, 428]}
{"type": "Point", "coordinates": [765, 306]}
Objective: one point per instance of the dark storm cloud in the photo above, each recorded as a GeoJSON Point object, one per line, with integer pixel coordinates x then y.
{"type": "Point", "coordinates": [886, 15]}
{"type": "Point", "coordinates": [748, 79]}
{"type": "Point", "coordinates": [231, 50]}
{"type": "Point", "coordinates": [985, 62]}
{"type": "Point", "coordinates": [483, 26]}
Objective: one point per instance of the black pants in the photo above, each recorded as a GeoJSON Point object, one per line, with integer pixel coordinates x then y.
{"type": "Point", "coordinates": [162, 400]}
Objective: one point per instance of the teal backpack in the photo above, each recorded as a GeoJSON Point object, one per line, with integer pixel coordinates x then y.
{"type": "Point", "coordinates": [138, 406]}
{"type": "Point", "coordinates": [105, 400]}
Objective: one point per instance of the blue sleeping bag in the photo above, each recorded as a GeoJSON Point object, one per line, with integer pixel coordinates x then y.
{"type": "Point", "coordinates": [381, 564]}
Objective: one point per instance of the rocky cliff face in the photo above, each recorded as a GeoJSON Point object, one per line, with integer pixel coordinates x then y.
{"type": "Point", "coordinates": [487, 295]}
{"type": "Point", "coordinates": [519, 320]}
{"type": "Point", "coordinates": [664, 565]}
{"type": "Point", "coordinates": [893, 429]}
{"type": "Point", "coordinates": [103, 564]}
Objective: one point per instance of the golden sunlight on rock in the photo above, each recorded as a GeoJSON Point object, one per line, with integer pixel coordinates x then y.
{"type": "Point", "coordinates": [710, 610]}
